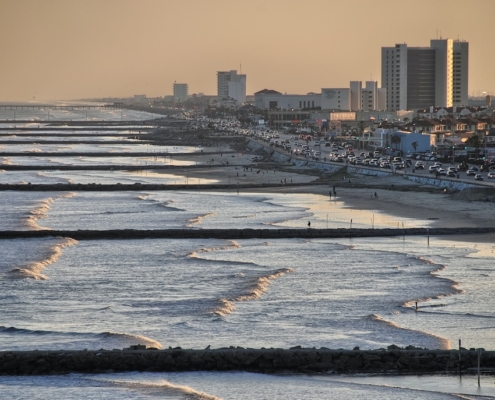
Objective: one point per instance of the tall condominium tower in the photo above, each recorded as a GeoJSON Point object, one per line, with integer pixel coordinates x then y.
{"type": "Point", "coordinates": [461, 69]}
{"type": "Point", "coordinates": [419, 77]}
{"type": "Point", "coordinates": [394, 76]}
{"type": "Point", "coordinates": [180, 92]}
{"type": "Point", "coordinates": [231, 84]}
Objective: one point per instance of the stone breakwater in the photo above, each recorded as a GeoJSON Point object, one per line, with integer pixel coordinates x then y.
{"type": "Point", "coordinates": [238, 233]}
{"type": "Point", "coordinates": [393, 359]}
{"type": "Point", "coordinates": [93, 187]}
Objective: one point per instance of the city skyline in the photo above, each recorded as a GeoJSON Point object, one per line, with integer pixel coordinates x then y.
{"type": "Point", "coordinates": [68, 49]}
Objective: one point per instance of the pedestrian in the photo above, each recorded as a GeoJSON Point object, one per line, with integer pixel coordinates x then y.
{"type": "Point", "coordinates": [330, 193]}
{"type": "Point", "coordinates": [309, 224]}
{"type": "Point", "coordinates": [376, 195]}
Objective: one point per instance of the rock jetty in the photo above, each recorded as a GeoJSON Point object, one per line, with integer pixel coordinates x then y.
{"type": "Point", "coordinates": [122, 234]}
{"type": "Point", "coordinates": [297, 359]}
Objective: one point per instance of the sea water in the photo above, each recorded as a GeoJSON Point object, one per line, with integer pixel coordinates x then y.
{"type": "Point", "coordinates": [58, 293]}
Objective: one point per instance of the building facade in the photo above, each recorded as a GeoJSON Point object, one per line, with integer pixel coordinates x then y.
{"type": "Point", "coordinates": [336, 99]}
{"type": "Point", "coordinates": [356, 95]}
{"type": "Point", "coordinates": [461, 70]}
{"type": "Point", "coordinates": [420, 77]}
{"type": "Point", "coordinates": [394, 76]}
{"type": "Point", "coordinates": [231, 84]}
{"type": "Point", "coordinates": [272, 100]}
{"type": "Point", "coordinates": [181, 91]}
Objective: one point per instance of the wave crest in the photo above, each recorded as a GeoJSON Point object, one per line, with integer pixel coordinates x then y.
{"type": "Point", "coordinates": [33, 269]}
{"type": "Point", "coordinates": [132, 338]}
{"type": "Point", "coordinates": [444, 343]}
{"type": "Point", "coordinates": [233, 245]}
{"type": "Point", "coordinates": [197, 220]}
{"type": "Point", "coordinates": [258, 287]}
{"type": "Point", "coordinates": [168, 387]}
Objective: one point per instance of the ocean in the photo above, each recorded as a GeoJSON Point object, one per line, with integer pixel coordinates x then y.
{"type": "Point", "coordinates": [58, 293]}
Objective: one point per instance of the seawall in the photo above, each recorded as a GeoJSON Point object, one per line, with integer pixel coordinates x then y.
{"type": "Point", "coordinates": [280, 156]}
{"type": "Point", "coordinates": [262, 360]}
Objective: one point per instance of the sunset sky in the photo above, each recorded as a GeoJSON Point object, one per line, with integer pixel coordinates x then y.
{"type": "Point", "coordinates": [75, 49]}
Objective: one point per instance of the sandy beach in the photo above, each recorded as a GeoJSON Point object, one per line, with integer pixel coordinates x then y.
{"type": "Point", "coordinates": [402, 198]}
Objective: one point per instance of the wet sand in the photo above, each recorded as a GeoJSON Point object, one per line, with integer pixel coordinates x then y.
{"type": "Point", "coordinates": [403, 198]}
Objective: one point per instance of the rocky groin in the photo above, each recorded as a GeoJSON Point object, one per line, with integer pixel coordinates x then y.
{"type": "Point", "coordinates": [239, 233]}
{"type": "Point", "coordinates": [393, 359]}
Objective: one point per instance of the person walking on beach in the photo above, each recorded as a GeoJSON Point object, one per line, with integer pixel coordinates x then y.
{"type": "Point", "coordinates": [309, 224]}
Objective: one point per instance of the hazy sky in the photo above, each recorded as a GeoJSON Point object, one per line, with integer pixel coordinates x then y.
{"type": "Point", "coordinates": [68, 49]}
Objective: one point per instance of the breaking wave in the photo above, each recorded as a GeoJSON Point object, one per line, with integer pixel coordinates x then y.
{"type": "Point", "coordinates": [254, 290]}
{"type": "Point", "coordinates": [34, 270]}
{"type": "Point", "coordinates": [169, 388]}
{"type": "Point", "coordinates": [40, 211]}
{"type": "Point", "coordinates": [233, 245]}
{"type": "Point", "coordinates": [67, 195]}
{"type": "Point", "coordinates": [439, 340]}
{"type": "Point", "coordinates": [199, 219]}
{"type": "Point", "coordinates": [454, 286]}
{"type": "Point", "coordinates": [108, 340]}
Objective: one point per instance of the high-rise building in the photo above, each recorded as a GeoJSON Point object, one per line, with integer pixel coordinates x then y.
{"type": "Point", "coordinates": [461, 69]}
{"type": "Point", "coordinates": [356, 95]}
{"type": "Point", "coordinates": [180, 92]}
{"type": "Point", "coordinates": [420, 77]}
{"type": "Point", "coordinates": [444, 72]}
{"type": "Point", "coordinates": [233, 85]}
{"type": "Point", "coordinates": [394, 76]}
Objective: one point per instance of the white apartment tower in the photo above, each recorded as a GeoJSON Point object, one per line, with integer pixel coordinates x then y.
{"type": "Point", "coordinates": [420, 77]}
{"type": "Point", "coordinates": [394, 76]}
{"type": "Point", "coordinates": [231, 84]}
{"type": "Point", "coordinates": [180, 92]}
